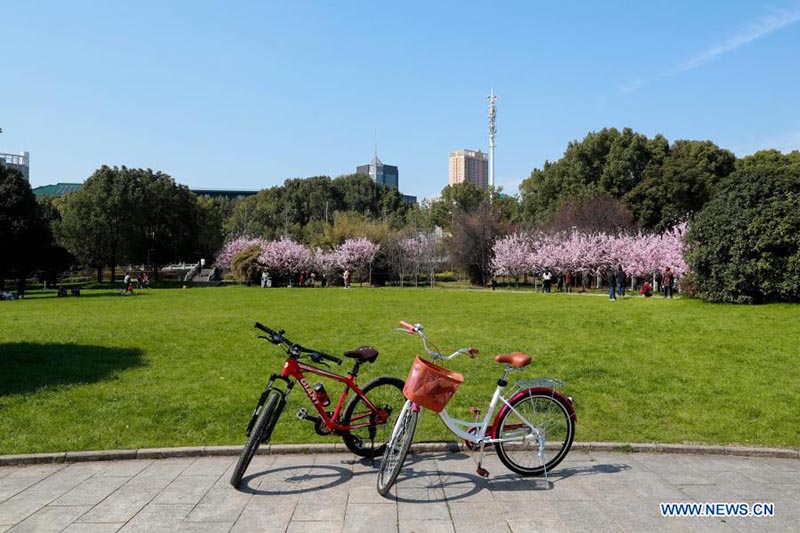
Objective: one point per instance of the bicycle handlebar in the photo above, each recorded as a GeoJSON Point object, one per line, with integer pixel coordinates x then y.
{"type": "Point", "coordinates": [294, 348]}
{"type": "Point", "coordinates": [409, 328]}
{"type": "Point", "coordinates": [419, 330]}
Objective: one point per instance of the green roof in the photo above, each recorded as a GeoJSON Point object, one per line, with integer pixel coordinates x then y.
{"type": "Point", "coordinates": [59, 189]}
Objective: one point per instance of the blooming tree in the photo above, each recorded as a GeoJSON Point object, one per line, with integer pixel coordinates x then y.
{"type": "Point", "coordinates": [512, 255]}
{"type": "Point", "coordinates": [357, 254]}
{"type": "Point", "coordinates": [285, 257]}
{"type": "Point", "coordinates": [236, 246]}
{"type": "Point", "coordinates": [639, 255]}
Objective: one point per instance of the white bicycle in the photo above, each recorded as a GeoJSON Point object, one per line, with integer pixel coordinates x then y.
{"type": "Point", "coordinates": [532, 432]}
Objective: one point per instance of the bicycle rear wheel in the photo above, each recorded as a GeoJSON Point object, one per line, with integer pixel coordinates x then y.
{"type": "Point", "coordinates": [397, 448]}
{"type": "Point", "coordinates": [261, 432]}
{"type": "Point", "coordinates": [385, 393]}
{"type": "Point", "coordinates": [538, 432]}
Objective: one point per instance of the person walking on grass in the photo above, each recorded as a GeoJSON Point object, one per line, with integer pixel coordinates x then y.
{"type": "Point", "coordinates": [668, 280]}
{"type": "Point", "coordinates": [612, 284]}
{"type": "Point", "coordinates": [620, 281]}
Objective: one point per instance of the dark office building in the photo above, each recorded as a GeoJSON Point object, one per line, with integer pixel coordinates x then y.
{"type": "Point", "coordinates": [384, 174]}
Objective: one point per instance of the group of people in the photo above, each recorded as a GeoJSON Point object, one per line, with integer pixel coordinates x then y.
{"type": "Point", "coordinates": [304, 279]}
{"type": "Point", "coordinates": [564, 281]}
{"type": "Point", "coordinates": [142, 281]}
{"type": "Point", "coordinates": [664, 283]}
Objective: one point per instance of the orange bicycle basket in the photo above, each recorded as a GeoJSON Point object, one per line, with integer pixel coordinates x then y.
{"type": "Point", "coordinates": [431, 386]}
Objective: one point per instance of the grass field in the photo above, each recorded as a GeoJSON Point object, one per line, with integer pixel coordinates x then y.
{"type": "Point", "coordinates": [184, 367]}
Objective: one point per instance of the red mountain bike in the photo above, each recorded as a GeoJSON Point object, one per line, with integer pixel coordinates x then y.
{"type": "Point", "coordinates": [364, 424]}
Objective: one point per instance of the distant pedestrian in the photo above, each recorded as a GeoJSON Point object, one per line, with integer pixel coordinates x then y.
{"type": "Point", "coordinates": [668, 281]}
{"type": "Point", "coordinates": [346, 279]}
{"type": "Point", "coordinates": [547, 281]}
{"type": "Point", "coordinates": [301, 280]}
{"type": "Point", "coordinates": [145, 280]}
{"type": "Point", "coordinates": [560, 282]}
{"type": "Point", "coordinates": [620, 281]}
{"type": "Point", "coordinates": [569, 280]}
{"type": "Point", "coordinates": [263, 279]}
{"type": "Point", "coordinates": [312, 278]}
{"type": "Point", "coordinates": [657, 285]}
{"type": "Point", "coordinates": [612, 285]}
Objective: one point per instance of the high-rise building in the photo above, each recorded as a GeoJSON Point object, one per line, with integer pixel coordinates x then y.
{"type": "Point", "coordinates": [384, 174]}
{"type": "Point", "coordinates": [21, 162]}
{"type": "Point", "coordinates": [471, 167]}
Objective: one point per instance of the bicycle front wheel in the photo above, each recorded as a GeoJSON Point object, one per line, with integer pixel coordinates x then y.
{"type": "Point", "coordinates": [536, 434]}
{"type": "Point", "coordinates": [261, 432]}
{"type": "Point", "coordinates": [369, 440]}
{"type": "Point", "coordinates": [397, 448]}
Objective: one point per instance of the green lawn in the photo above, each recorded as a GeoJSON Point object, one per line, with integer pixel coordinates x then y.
{"type": "Point", "coordinates": [184, 367]}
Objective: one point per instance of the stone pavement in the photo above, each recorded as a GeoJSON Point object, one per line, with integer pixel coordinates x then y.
{"type": "Point", "coordinates": [438, 491]}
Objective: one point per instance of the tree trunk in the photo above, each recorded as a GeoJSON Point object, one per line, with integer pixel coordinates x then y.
{"type": "Point", "coordinates": [99, 274]}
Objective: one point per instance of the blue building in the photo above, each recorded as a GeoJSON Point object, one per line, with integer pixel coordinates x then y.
{"type": "Point", "coordinates": [384, 174]}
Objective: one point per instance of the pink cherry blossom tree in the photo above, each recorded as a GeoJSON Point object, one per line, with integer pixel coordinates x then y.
{"type": "Point", "coordinates": [285, 257]}
{"type": "Point", "coordinates": [357, 255]}
{"type": "Point", "coordinates": [236, 246]}
{"type": "Point", "coordinates": [512, 256]}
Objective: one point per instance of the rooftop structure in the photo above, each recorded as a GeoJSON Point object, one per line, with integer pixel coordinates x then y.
{"type": "Point", "coordinates": [387, 175]}
{"type": "Point", "coordinates": [60, 189]}
{"type": "Point", "coordinates": [21, 162]}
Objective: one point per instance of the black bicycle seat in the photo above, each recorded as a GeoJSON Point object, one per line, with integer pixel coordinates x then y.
{"type": "Point", "coordinates": [364, 354]}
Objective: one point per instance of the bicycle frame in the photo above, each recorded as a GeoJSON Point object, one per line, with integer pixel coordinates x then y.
{"type": "Point", "coordinates": [293, 368]}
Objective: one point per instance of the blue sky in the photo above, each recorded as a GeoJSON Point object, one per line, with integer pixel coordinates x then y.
{"type": "Point", "coordinates": [248, 94]}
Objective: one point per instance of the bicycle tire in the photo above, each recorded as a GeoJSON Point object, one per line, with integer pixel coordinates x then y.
{"type": "Point", "coordinates": [550, 416]}
{"type": "Point", "coordinates": [383, 392]}
{"type": "Point", "coordinates": [261, 432]}
{"type": "Point", "coordinates": [397, 448]}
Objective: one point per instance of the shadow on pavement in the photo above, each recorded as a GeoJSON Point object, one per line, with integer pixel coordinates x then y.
{"type": "Point", "coordinates": [454, 482]}
{"type": "Point", "coordinates": [297, 479]}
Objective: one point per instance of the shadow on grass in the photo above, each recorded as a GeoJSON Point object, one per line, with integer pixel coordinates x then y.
{"type": "Point", "coordinates": [28, 367]}
{"type": "Point", "coordinates": [93, 294]}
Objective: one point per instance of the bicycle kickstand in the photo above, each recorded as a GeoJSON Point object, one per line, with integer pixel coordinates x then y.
{"type": "Point", "coordinates": [480, 471]}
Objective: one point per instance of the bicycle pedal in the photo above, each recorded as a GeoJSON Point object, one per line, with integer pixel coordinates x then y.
{"type": "Point", "coordinates": [482, 472]}
{"type": "Point", "coordinates": [302, 413]}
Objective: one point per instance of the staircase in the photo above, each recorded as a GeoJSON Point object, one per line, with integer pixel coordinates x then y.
{"type": "Point", "coordinates": [204, 276]}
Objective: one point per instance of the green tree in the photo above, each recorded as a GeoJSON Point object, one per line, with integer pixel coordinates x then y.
{"type": "Point", "coordinates": [473, 236]}
{"type": "Point", "coordinates": [681, 185]}
{"type": "Point", "coordinates": [129, 214]}
{"type": "Point", "coordinates": [25, 238]}
{"type": "Point", "coordinates": [659, 183]}
{"type": "Point", "coordinates": [744, 246]}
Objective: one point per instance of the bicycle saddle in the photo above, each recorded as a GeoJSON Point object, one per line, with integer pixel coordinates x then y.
{"type": "Point", "coordinates": [364, 354]}
{"type": "Point", "coordinates": [515, 359]}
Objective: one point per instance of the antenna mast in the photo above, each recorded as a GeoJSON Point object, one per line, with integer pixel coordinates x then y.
{"type": "Point", "coordinates": [492, 131]}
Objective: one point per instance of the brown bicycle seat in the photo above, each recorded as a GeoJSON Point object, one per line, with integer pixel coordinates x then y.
{"type": "Point", "coordinates": [515, 359]}
{"type": "Point", "coordinates": [364, 354]}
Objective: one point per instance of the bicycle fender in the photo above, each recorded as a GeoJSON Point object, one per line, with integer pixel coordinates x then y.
{"type": "Point", "coordinates": [546, 391]}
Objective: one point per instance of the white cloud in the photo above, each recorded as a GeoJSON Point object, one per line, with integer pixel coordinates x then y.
{"type": "Point", "coordinates": [770, 23]}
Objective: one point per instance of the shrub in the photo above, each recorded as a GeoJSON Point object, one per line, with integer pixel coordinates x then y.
{"type": "Point", "coordinates": [744, 246]}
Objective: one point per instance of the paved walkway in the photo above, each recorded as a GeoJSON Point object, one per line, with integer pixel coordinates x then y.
{"type": "Point", "coordinates": [595, 491]}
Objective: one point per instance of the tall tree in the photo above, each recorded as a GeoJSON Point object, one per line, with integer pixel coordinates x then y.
{"type": "Point", "coordinates": [129, 214]}
{"type": "Point", "coordinates": [24, 235]}
{"type": "Point", "coordinates": [744, 246]}
{"type": "Point", "coordinates": [681, 185]}
{"type": "Point", "coordinates": [472, 240]}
